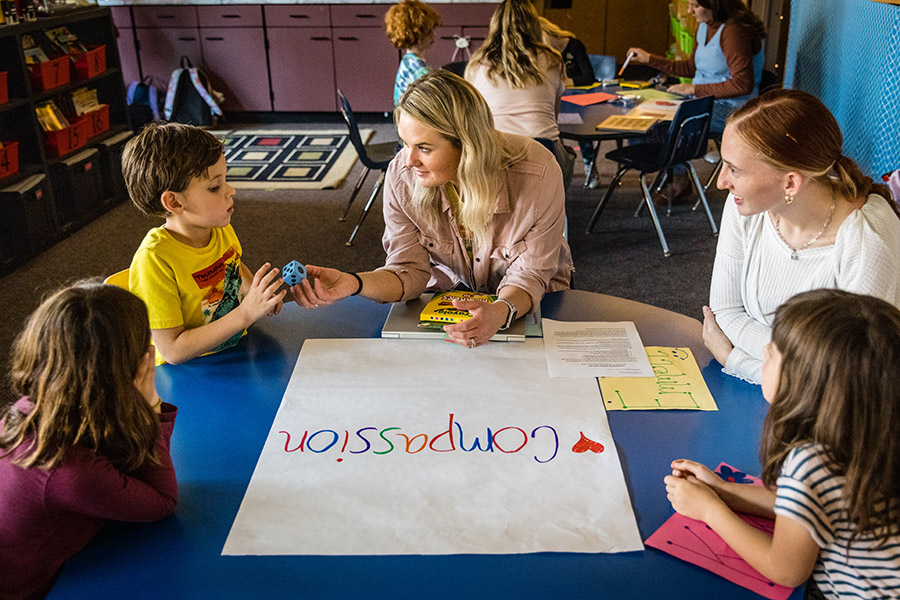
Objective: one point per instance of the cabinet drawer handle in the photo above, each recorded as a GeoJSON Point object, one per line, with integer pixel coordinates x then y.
{"type": "Point", "coordinates": [298, 16]}
{"type": "Point", "coordinates": [231, 16]}
{"type": "Point", "coordinates": [187, 39]}
{"type": "Point", "coordinates": [348, 39]}
{"type": "Point", "coordinates": [215, 39]}
{"type": "Point", "coordinates": [320, 39]}
{"type": "Point", "coordinates": [365, 16]}
{"type": "Point", "coordinates": [165, 16]}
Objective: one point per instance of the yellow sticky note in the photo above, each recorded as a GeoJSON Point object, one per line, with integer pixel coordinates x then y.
{"type": "Point", "coordinates": [676, 385]}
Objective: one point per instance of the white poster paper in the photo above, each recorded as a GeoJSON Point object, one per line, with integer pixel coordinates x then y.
{"type": "Point", "coordinates": [594, 349]}
{"type": "Point", "coordinates": [387, 446]}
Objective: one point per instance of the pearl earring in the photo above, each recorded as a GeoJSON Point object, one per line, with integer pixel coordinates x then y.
{"type": "Point", "coordinates": [788, 198]}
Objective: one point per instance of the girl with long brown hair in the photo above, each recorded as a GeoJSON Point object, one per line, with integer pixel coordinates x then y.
{"type": "Point", "coordinates": [89, 439]}
{"type": "Point", "coordinates": [830, 453]}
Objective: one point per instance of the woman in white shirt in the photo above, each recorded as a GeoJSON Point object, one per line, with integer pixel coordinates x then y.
{"type": "Point", "coordinates": [799, 215]}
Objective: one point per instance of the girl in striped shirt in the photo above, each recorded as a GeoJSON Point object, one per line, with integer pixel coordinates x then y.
{"type": "Point", "coordinates": [830, 453]}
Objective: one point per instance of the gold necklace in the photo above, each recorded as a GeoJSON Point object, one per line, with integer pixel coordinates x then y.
{"type": "Point", "coordinates": [794, 251]}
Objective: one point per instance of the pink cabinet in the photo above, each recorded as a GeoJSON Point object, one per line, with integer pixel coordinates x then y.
{"type": "Point", "coordinates": [125, 43]}
{"type": "Point", "coordinates": [365, 67]}
{"type": "Point", "coordinates": [161, 51]}
{"type": "Point", "coordinates": [459, 20]}
{"type": "Point", "coordinates": [165, 34]}
{"type": "Point", "coordinates": [235, 62]}
{"type": "Point", "coordinates": [302, 68]}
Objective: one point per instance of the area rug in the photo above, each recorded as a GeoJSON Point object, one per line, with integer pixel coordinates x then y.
{"type": "Point", "coordinates": [288, 159]}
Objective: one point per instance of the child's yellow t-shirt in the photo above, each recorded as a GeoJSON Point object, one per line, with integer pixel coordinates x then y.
{"type": "Point", "coordinates": [183, 285]}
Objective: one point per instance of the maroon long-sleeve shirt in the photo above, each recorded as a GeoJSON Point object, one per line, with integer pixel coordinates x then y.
{"type": "Point", "coordinates": [48, 515]}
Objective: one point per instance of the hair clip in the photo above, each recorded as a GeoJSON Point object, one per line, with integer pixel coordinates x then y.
{"type": "Point", "coordinates": [792, 137]}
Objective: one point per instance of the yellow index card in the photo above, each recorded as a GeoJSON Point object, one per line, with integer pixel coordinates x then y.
{"type": "Point", "coordinates": [676, 385]}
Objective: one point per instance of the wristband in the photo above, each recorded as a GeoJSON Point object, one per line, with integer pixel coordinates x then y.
{"type": "Point", "coordinates": [359, 281]}
{"type": "Point", "coordinates": [512, 313]}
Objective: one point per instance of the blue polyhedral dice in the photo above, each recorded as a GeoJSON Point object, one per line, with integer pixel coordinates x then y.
{"type": "Point", "coordinates": [293, 273]}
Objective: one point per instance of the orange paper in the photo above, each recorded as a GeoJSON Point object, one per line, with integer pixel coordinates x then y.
{"type": "Point", "coordinates": [588, 99]}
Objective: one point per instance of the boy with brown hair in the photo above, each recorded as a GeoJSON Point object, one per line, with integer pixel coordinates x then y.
{"type": "Point", "coordinates": [200, 296]}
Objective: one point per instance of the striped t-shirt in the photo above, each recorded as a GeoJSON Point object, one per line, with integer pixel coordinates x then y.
{"type": "Point", "coordinates": [810, 494]}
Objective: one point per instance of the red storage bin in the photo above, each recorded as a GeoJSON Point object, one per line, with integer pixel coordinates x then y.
{"type": "Point", "coordinates": [9, 159]}
{"type": "Point", "coordinates": [90, 63]}
{"type": "Point", "coordinates": [50, 74]}
{"type": "Point", "coordinates": [98, 120]}
{"type": "Point", "coordinates": [4, 90]}
{"type": "Point", "coordinates": [59, 143]}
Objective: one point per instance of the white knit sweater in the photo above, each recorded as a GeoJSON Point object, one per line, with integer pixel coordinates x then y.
{"type": "Point", "coordinates": [753, 273]}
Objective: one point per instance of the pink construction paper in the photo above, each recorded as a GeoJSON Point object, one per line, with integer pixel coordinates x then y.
{"type": "Point", "coordinates": [586, 99]}
{"type": "Point", "coordinates": [694, 542]}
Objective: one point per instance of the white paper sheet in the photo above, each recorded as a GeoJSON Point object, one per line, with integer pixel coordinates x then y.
{"type": "Point", "coordinates": [594, 349]}
{"type": "Point", "coordinates": [373, 451]}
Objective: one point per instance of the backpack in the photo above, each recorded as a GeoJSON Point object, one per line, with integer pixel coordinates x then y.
{"type": "Point", "coordinates": [190, 99]}
{"type": "Point", "coordinates": [143, 102]}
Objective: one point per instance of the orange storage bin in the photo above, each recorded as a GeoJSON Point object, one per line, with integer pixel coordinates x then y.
{"type": "Point", "coordinates": [59, 143]}
{"type": "Point", "coordinates": [50, 74]}
{"type": "Point", "coordinates": [9, 159]}
{"type": "Point", "coordinates": [98, 120]}
{"type": "Point", "coordinates": [90, 63]}
{"type": "Point", "coordinates": [4, 90]}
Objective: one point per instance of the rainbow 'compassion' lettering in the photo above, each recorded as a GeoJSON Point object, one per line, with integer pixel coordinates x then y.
{"type": "Point", "coordinates": [508, 440]}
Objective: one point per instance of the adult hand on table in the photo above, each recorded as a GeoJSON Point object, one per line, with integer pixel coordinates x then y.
{"type": "Point", "coordinates": [487, 319]}
{"type": "Point", "coordinates": [714, 338]}
{"type": "Point", "coordinates": [685, 89]}
{"type": "Point", "coordinates": [331, 285]}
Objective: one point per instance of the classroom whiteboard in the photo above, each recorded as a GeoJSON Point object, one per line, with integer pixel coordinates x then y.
{"type": "Point", "coordinates": [385, 446]}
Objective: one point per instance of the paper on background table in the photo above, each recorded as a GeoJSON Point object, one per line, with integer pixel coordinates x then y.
{"type": "Point", "coordinates": [418, 485]}
{"type": "Point", "coordinates": [654, 94]}
{"type": "Point", "coordinates": [677, 384]}
{"type": "Point", "coordinates": [588, 99]}
{"type": "Point", "coordinates": [694, 542]}
{"type": "Point", "coordinates": [594, 349]}
{"type": "Point", "coordinates": [564, 118]}
{"type": "Point", "coordinates": [659, 109]}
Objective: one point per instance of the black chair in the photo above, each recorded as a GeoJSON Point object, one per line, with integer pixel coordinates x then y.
{"type": "Point", "coordinates": [457, 68]}
{"type": "Point", "coordinates": [686, 140]}
{"type": "Point", "coordinates": [372, 156]}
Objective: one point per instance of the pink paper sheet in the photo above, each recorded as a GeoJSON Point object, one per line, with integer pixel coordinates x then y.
{"type": "Point", "coordinates": [694, 542]}
{"type": "Point", "coordinates": [587, 99]}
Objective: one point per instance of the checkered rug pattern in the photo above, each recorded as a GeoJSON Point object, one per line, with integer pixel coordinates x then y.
{"type": "Point", "coordinates": [287, 159]}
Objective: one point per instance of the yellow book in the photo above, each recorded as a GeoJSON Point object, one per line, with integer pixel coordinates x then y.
{"type": "Point", "coordinates": [440, 308]}
{"type": "Point", "coordinates": [637, 85]}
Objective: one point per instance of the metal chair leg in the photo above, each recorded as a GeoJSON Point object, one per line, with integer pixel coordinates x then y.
{"type": "Point", "coordinates": [696, 180]}
{"type": "Point", "coordinates": [589, 172]}
{"type": "Point", "coordinates": [658, 182]}
{"type": "Point", "coordinates": [659, 232]}
{"type": "Point", "coordinates": [606, 196]}
{"type": "Point", "coordinates": [365, 212]}
{"type": "Point", "coordinates": [356, 188]}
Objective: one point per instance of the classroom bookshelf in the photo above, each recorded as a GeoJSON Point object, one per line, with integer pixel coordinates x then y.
{"type": "Point", "coordinates": [52, 183]}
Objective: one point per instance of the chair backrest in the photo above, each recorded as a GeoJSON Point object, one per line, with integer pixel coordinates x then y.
{"type": "Point", "coordinates": [689, 131]}
{"type": "Point", "coordinates": [119, 279]}
{"type": "Point", "coordinates": [353, 128]}
{"type": "Point", "coordinates": [604, 66]}
{"type": "Point", "coordinates": [457, 68]}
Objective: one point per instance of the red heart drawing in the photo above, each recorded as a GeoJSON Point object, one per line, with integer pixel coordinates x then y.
{"type": "Point", "coordinates": [585, 444]}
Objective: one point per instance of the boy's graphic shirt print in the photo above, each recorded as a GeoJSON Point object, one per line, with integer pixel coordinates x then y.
{"type": "Point", "coordinates": [186, 286]}
{"type": "Point", "coordinates": [220, 286]}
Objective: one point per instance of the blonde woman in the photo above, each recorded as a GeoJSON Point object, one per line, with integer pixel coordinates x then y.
{"type": "Point", "coordinates": [522, 78]}
{"type": "Point", "coordinates": [464, 206]}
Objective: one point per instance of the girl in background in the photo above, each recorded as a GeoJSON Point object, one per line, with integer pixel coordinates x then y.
{"type": "Point", "coordinates": [410, 26]}
{"type": "Point", "coordinates": [89, 439]}
{"type": "Point", "coordinates": [522, 78]}
{"type": "Point", "coordinates": [830, 453]}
